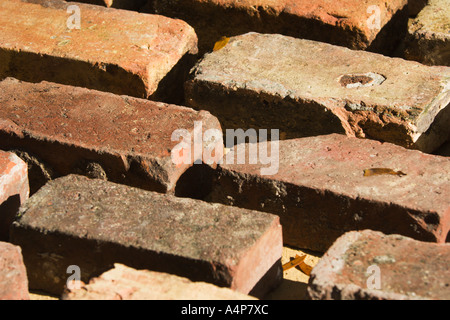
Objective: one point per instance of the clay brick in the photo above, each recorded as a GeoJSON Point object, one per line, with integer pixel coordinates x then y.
{"type": "Point", "coordinates": [94, 223]}
{"type": "Point", "coordinates": [408, 269]}
{"type": "Point", "coordinates": [13, 275]}
{"type": "Point", "coordinates": [320, 192]}
{"type": "Point", "coordinates": [114, 50]}
{"type": "Point", "coordinates": [119, 4]}
{"type": "Point", "coordinates": [307, 88]}
{"type": "Point", "coordinates": [428, 39]}
{"type": "Point", "coordinates": [348, 23]}
{"type": "Point", "coordinates": [61, 129]}
{"type": "Point", "coordinates": [125, 283]}
{"type": "Point", "coordinates": [14, 189]}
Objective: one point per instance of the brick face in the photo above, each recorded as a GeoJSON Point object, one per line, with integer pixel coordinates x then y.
{"type": "Point", "coordinates": [308, 88]}
{"type": "Point", "coordinates": [93, 223]}
{"type": "Point", "coordinates": [125, 283]}
{"type": "Point", "coordinates": [61, 129]}
{"type": "Point", "coordinates": [408, 269]}
{"type": "Point", "coordinates": [114, 50]}
{"type": "Point", "coordinates": [14, 189]}
{"type": "Point", "coordinates": [343, 22]}
{"type": "Point", "coordinates": [320, 190]}
{"type": "Point", "coordinates": [13, 275]}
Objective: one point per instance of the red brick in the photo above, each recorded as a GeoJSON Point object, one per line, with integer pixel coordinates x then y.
{"type": "Point", "coordinates": [115, 50]}
{"type": "Point", "coordinates": [428, 39]}
{"type": "Point", "coordinates": [13, 275]}
{"type": "Point", "coordinates": [320, 191]}
{"type": "Point", "coordinates": [125, 283]}
{"type": "Point", "coordinates": [102, 135]}
{"type": "Point", "coordinates": [307, 88]}
{"type": "Point", "coordinates": [94, 223]}
{"type": "Point", "coordinates": [408, 269]}
{"type": "Point", "coordinates": [14, 189]}
{"type": "Point", "coordinates": [343, 22]}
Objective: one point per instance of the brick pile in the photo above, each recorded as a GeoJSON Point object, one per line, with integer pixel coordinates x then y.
{"type": "Point", "coordinates": [135, 159]}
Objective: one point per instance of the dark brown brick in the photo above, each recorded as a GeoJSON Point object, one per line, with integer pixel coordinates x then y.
{"type": "Point", "coordinates": [94, 223]}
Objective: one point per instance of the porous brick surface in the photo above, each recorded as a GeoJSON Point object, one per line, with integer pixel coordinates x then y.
{"type": "Point", "coordinates": [428, 38]}
{"type": "Point", "coordinates": [309, 88]}
{"type": "Point", "coordinates": [125, 283]}
{"type": "Point", "coordinates": [61, 129]}
{"type": "Point", "coordinates": [408, 269]}
{"type": "Point", "coordinates": [13, 275]}
{"type": "Point", "coordinates": [94, 223]}
{"type": "Point", "coordinates": [14, 189]}
{"type": "Point", "coordinates": [350, 23]}
{"type": "Point", "coordinates": [118, 51]}
{"type": "Point", "coordinates": [319, 189]}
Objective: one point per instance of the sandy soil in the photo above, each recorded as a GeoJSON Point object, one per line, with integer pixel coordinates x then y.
{"type": "Point", "coordinates": [293, 286]}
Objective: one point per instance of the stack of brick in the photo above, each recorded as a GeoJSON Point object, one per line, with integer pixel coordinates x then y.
{"type": "Point", "coordinates": [97, 99]}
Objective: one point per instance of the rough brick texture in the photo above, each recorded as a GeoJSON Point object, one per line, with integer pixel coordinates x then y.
{"type": "Point", "coordinates": [115, 50]}
{"type": "Point", "coordinates": [124, 283]}
{"type": "Point", "coordinates": [409, 269]}
{"type": "Point", "coordinates": [61, 129]}
{"type": "Point", "coordinates": [309, 88]}
{"type": "Point", "coordinates": [320, 191]}
{"type": "Point", "coordinates": [13, 275]}
{"type": "Point", "coordinates": [93, 223]}
{"type": "Point", "coordinates": [14, 189]}
{"type": "Point", "coordinates": [428, 39]}
{"type": "Point", "coordinates": [349, 23]}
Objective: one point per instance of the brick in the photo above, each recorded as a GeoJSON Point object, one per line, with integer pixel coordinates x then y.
{"type": "Point", "coordinates": [119, 4]}
{"type": "Point", "coordinates": [428, 39]}
{"type": "Point", "coordinates": [409, 269]}
{"type": "Point", "coordinates": [94, 223]}
{"type": "Point", "coordinates": [125, 283]}
{"type": "Point", "coordinates": [13, 275]}
{"type": "Point", "coordinates": [61, 129]}
{"type": "Point", "coordinates": [14, 189]}
{"type": "Point", "coordinates": [347, 23]}
{"type": "Point", "coordinates": [307, 88]}
{"type": "Point", "coordinates": [319, 190]}
{"type": "Point", "coordinates": [114, 50]}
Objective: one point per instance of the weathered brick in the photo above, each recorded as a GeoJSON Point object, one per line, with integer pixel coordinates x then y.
{"type": "Point", "coordinates": [14, 189]}
{"type": "Point", "coordinates": [94, 223]}
{"type": "Point", "coordinates": [428, 39]}
{"type": "Point", "coordinates": [319, 190]}
{"type": "Point", "coordinates": [13, 275]}
{"type": "Point", "coordinates": [307, 88]}
{"type": "Point", "coordinates": [350, 23]}
{"type": "Point", "coordinates": [125, 283]}
{"type": "Point", "coordinates": [118, 51]}
{"type": "Point", "coordinates": [61, 129]}
{"type": "Point", "coordinates": [408, 269]}
{"type": "Point", "coordinates": [119, 4]}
